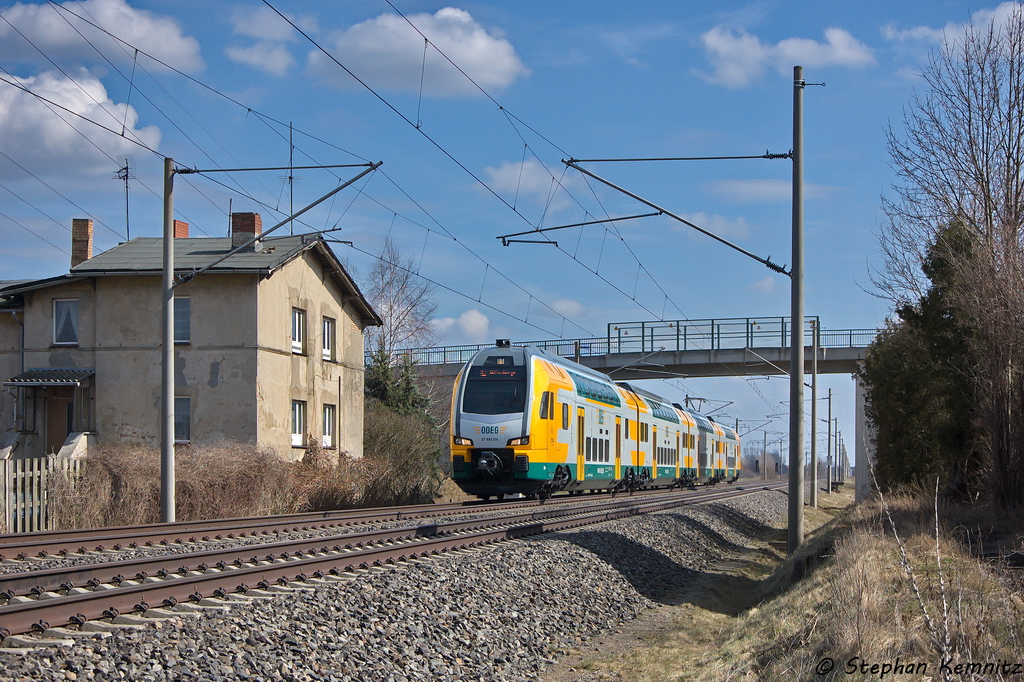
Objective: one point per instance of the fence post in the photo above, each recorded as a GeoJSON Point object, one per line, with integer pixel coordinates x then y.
{"type": "Point", "coordinates": [5, 502]}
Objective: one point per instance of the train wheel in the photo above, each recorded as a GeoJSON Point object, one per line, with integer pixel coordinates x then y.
{"type": "Point", "coordinates": [500, 497]}
{"type": "Point", "coordinates": [485, 498]}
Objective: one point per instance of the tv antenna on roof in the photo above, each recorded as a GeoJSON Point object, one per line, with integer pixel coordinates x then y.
{"type": "Point", "coordinates": [126, 172]}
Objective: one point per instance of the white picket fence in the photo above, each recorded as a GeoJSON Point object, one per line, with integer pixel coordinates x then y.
{"type": "Point", "coordinates": [24, 486]}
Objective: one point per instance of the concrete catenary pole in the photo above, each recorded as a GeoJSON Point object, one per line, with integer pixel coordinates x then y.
{"type": "Point", "coordinates": [167, 511]}
{"type": "Point", "coordinates": [795, 535]}
{"type": "Point", "coordinates": [828, 446]}
{"type": "Point", "coordinates": [764, 456]}
{"type": "Point", "coordinates": [814, 414]}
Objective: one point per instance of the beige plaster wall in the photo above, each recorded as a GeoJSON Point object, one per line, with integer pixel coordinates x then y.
{"type": "Point", "coordinates": [10, 365]}
{"type": "Point", "coordinates": [286, 376]}
{"type": "Point", "coordinates": [216, 369]}
{"type": "Point", "coordinates": [39, 349]}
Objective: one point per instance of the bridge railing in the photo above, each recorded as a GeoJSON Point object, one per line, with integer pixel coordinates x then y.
{"type": "Point", "coordinates": [669, 335]}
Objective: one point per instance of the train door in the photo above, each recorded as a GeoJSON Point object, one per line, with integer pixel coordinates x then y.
{"type": "Point", "coordinates": [618, 448]}
{"type": "Point", "coordinates": [679, 452]}
{"type": "Point", "coordinates": [638, 454]}
{"type": "Point", "coordinates": [704, 443]}
{"type": "Point", "coordinates": [580, 437]}
{"type": "Point", "coordinates": [548, 426]}
{"type": "Point", "coordinates": [654, 451]}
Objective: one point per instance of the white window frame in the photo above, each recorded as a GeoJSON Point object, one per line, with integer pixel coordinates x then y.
{"type": "Point", "coordinates": [298, 423]}
{"type": "Point", "coordinates": [182, 411]}
{"type": "Point", "coordinates": [185, 308]}
{"type": "Point", "coordinates": [75, 322]}
{"type": "Point", "coordinates": [330, 327]}
{"type": "Point", "coordinates": [330, 424]}
{"type": "Point", "coordinates": [298, 331]}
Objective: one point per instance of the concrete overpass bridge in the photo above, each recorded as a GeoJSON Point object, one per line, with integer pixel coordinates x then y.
{"type": "Point", "coordinates": [682, 348]}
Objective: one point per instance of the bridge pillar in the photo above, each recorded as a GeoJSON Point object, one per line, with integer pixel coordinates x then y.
{"type": "Point", "coordinates": [864, 448]}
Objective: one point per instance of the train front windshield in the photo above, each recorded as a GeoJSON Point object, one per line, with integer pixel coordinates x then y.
{"type": "Point", "coordinates": [496, 387]}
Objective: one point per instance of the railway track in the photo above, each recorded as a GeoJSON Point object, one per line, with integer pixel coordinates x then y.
{"type": "Point", "coordinates": [23, 546]}
{"type": "Point", "coordinates": [59, 601]}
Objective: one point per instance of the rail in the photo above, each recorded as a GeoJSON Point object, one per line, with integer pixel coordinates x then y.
{"type": "Point", "coordinates": [668, 335]}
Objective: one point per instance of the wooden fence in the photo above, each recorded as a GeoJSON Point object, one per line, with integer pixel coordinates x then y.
{"type": "Point", "coordinates": [24, 487]}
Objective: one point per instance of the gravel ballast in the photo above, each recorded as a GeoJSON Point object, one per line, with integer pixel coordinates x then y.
{"type": "Point", "coordinates": [490, 614]}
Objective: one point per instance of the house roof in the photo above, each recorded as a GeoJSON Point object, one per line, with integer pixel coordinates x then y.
{"type": "Point", "coordinates": [13, 283]}
{"type": "Point", "coordinates": [144, 256]}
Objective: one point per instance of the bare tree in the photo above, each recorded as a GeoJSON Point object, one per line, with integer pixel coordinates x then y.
{"type": "Point", "coordinates": [403, 300]}
{"type": "Point", "coordinates": [961, 165]}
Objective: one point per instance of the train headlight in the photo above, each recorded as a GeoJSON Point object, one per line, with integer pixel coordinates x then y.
{"type": "Point", "coordinates": [525, 440]}
{"type": "Point", "coordinates": [459, 440]}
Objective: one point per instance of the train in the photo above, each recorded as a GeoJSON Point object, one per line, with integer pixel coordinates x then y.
{"type": "Point", "coordinates": [527, 422]}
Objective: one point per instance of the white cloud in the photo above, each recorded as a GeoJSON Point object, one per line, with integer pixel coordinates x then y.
{"type": "Point", "coordinates": [767, 286]}
{"type": "Point", "coordinates": [764, 191]}
{"type": "Point", "coordinates": [269, 56]}
{"type": "Point", "coordinates": [386, 52]}
{"type": "Point", "coordinates": [720, 225]}
{"type": "Point", "coordinates": [44, 143]}
{"type": "Point", "coordinates": [568, 307]}
{"type": "Point", "coordinates": [630, 41]}
{"type": "Point", "coordinates": [264, 23]}
{"type": "Point", "coordinates": [530, 179]}
{"type": "Point", "coordinates": [471, 326]}
{"type": "Point", "coordinates": [46, 27]}
{"type": "Point", "coordinates": [270, 53]}
{"type": "Point", "coordinates": [740, 58]}
{"type": "Point", "coordinates": [927, 34]}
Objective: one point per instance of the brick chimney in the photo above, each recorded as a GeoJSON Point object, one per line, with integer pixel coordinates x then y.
{"type": "Point", "coordinates": [81, 240]}
{"type": "Point", "coordinates": [245, 226]}
{"type": "Point", "coordinates": [180, 229]}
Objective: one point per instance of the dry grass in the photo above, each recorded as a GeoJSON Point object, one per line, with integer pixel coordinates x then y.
{"type": "Point", "coordinates": [121, 482]}
{"type": "Point", "coordinates": [856, 598]}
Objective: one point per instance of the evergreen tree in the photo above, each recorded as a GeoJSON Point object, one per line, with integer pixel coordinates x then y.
{"type": "Point", "coordinates": [920, 396]}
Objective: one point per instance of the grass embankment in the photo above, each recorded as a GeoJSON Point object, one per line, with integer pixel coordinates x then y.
{"type": "Point", "coordinates": [120, 484]}
{"type": "Point", "coordinates": [854, 597]}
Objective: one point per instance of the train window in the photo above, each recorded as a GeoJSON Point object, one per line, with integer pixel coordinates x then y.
{"type": "Point", "coordinates": [565, 416]}
{"type": "Point", "coordinates": [627, 429]}
{"type": "Point", "coordinates": [494, 397]}
{"type": "Point", "coordinates": [588, 456]}
{"type": "Point", "coordinates": [545, 404]}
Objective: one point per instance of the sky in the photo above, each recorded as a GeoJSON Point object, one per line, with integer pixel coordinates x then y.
{"type": "Point", "coordinates": [471, 108]}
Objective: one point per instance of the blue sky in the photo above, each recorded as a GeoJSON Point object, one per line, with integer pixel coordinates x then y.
{"type": "Point", "coordinates": [542, 81]}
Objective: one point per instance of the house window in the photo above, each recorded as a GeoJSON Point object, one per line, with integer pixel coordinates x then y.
{"type": "Point", "coordinates": [298, 330]}
{"type": "Point", "coordinates": [65, 322]}
{"type": "Point", "coordinates": [298, 423]}
{"type": "Point", "coordinates": [329, 417]}
{"type": "Point", "coordinates": [182, 419]}
{"type": "Point", "coordinates": [328, 347]}
{"type": "Point", "coordinates": [182, 319]}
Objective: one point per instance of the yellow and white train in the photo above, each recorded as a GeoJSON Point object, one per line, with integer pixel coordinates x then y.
{"type": "Point", "coordinates": [531, 422]}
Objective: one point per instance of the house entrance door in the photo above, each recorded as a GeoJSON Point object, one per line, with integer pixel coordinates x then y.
{"type": "Point", "coordinates": [60, 405]}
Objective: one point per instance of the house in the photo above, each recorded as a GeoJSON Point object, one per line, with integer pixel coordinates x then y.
{"type": "Point", "coordinates": [268, 346]}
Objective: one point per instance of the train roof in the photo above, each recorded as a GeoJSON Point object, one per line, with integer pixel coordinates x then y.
{"type": "Point", "coordinates": [527, 352]}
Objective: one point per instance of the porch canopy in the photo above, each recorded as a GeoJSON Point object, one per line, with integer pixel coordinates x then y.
{"type": "Point", "coordinates": [51, 377]}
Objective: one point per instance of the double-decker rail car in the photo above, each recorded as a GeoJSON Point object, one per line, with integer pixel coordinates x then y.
{"type": "Point", "coordinates": [530, 422]}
